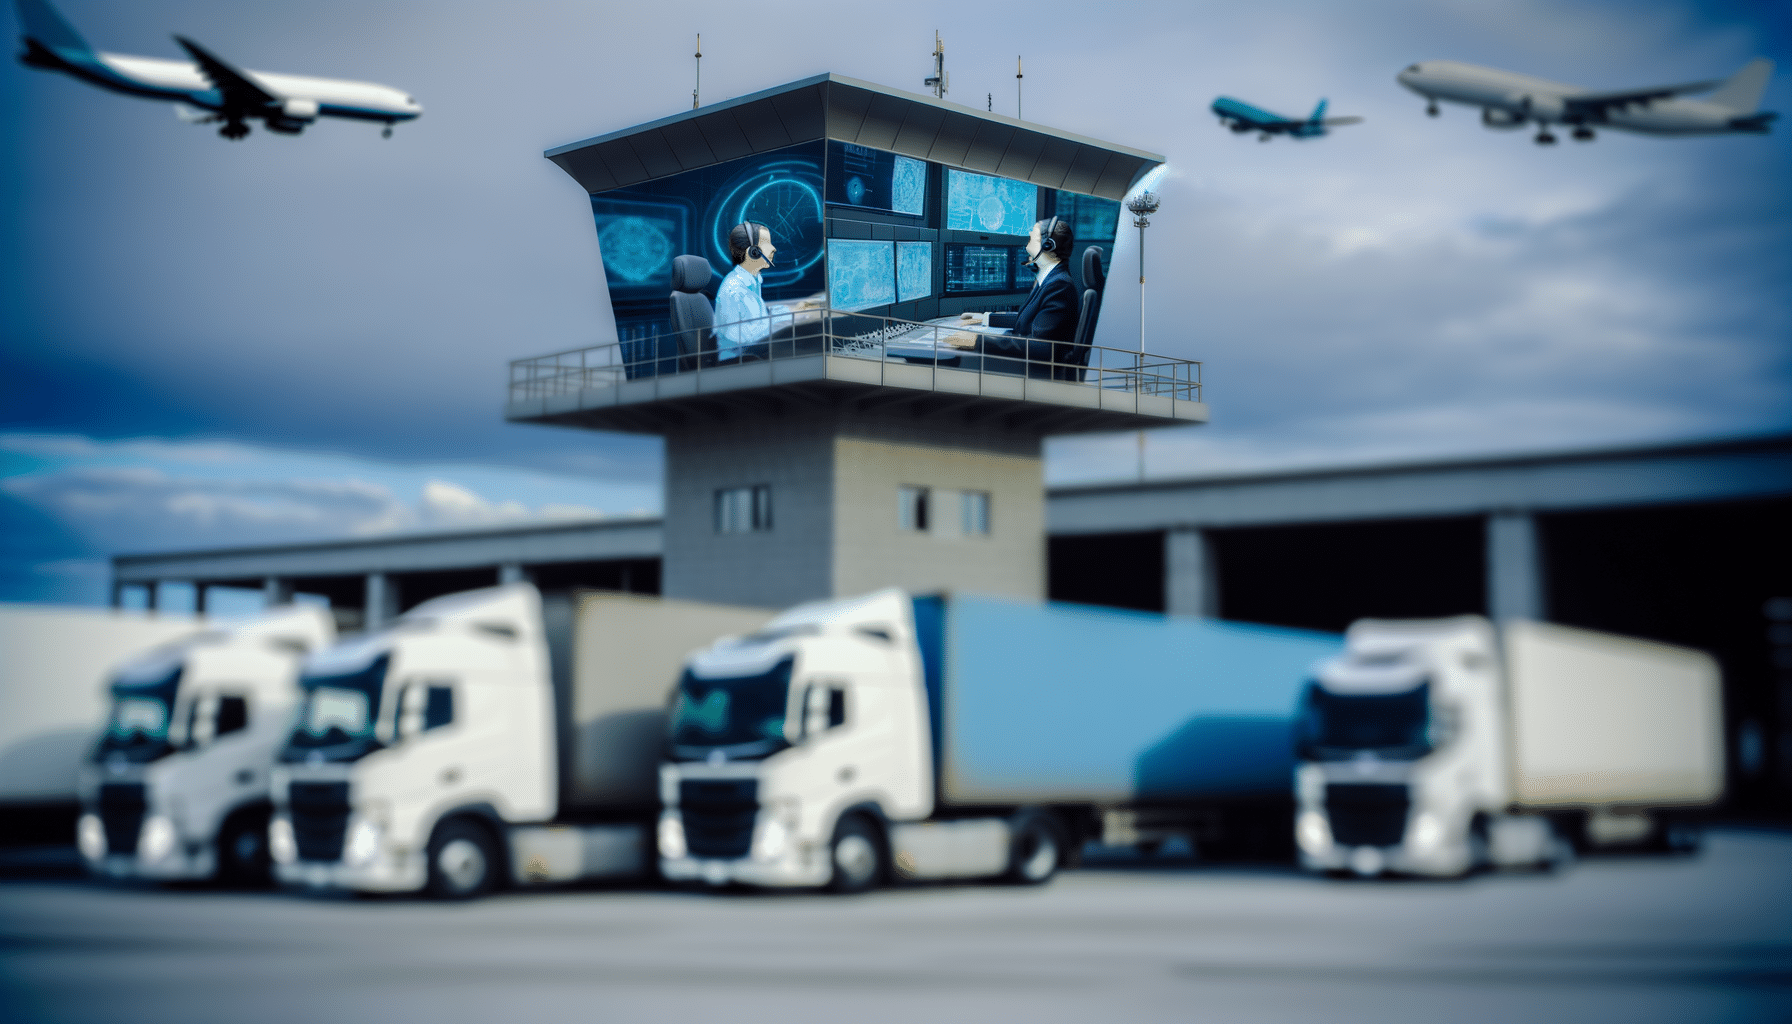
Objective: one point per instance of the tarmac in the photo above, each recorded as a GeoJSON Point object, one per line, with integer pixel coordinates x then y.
{"type": "Point", "coordinates": [1637, 938]}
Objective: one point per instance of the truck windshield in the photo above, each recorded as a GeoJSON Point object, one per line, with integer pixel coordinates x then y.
{"type": "Point", "coordinates": [337, 715]}
{"type": "Point", "coordinates": [142, 710]}
{"type": "Point", "coordinates": [742, 716]}
{"type": "Point", "coordinates": [1334, 726]}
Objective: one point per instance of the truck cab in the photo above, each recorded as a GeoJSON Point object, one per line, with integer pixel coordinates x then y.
{"type": "Point", "coordinates": [791, 749]}
{"type": "Point", "coordinates": [414, 747]}
{"type": "Point", "coordinates": [177, 785]}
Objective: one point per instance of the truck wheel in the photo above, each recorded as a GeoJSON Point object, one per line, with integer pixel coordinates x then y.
{"type": "Point", "coordinates": [463, 861]}
{"type": "Point", "coordinates": [1036, 850]}
{"type": "Point", "coordinates": [243, 850]}
{"type": "Point", "coordinates": [858, 855]}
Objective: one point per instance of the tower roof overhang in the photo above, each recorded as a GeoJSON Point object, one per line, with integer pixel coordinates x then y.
{"type": "Point", "coordinates": [831, 106]}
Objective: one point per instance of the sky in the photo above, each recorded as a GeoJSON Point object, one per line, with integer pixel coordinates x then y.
{"type": "Point", "coordinates": [205, 343]}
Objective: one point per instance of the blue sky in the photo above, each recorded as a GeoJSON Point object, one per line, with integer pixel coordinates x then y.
{"type": "Point", "coordinates": [210, 343]}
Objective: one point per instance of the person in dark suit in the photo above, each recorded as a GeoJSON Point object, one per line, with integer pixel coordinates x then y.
{"type": "Point", "coordinates": [1048, 315]}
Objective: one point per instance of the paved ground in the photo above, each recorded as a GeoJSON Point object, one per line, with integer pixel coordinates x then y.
{"type": "Point", "coordinates": [1633, 939]}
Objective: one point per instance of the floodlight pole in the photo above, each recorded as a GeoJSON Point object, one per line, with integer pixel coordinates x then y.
{"type": "Point", "coordinates": [939, 83]}
{"type": "Point", "coordinates": [1018, 75]}
{"type": "Point", "coordinates": [1142, 207]}
{"type": "Point", "coordinates": [699, 71]}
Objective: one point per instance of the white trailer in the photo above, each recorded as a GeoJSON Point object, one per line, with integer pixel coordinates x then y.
{"type": "Point", "coordinates": [176, 787]}
{"type": "Point", "coordinates": [486, 738]}
{"type": "Point", "coordinates": [1439, 747]}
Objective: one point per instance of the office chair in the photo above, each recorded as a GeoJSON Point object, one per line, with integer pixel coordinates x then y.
{"type": "Point", "coordinates": [1072, 359]}
{"type": "Point", "coordinates": [693, 318]}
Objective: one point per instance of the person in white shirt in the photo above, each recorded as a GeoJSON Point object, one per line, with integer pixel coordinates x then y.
{"type": "Point", "coordinates": [742, 319]}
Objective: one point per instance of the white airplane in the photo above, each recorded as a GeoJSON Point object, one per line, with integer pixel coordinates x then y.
{"type": "Point", "coordinates": [220, 91]}
{"type": "Point", "coordinates": [1509, 100]}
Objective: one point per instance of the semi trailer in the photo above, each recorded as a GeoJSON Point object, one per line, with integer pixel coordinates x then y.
{"type": "Point", "coordinates": [896, 737]}
{"type": "Point", "coordinates": [1440, 747]}
{"type": "Point", "coordinates": [486, 738]}
{"type": "Point", "coordinates": [176, 787]}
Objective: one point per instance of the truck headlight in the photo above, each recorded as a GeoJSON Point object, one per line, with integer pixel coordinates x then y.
{"type": "Point", "coordinates": [363, 844]}
{"type": "Point", "coordinates": [1426, 832]}
{"type": "Point", "coordinates": [1313, 833]}
{"type": "Point", "coordinates": [90, 836]}
{"type": "Point", "coordinates": [671, 835]}
{"type": "Point", "coordinates": [773, 839]}
{"type": "Point", "coordinates": [157, 838]}
{"type": "Point", "coordinates": [283, 846]}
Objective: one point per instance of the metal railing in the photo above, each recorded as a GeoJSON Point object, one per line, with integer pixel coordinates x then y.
{"type": "Point", "coordinates": [650, 352]}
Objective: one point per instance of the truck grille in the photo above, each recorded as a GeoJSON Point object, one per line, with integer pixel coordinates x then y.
{"type": "Point", "coordinates": [121, 812]}
{"type": "Point", "coordinates": [718, 815]}
{"type": "Point", "coordinates": [1367, 815]}
{"type": "Point", "coordinates": [319, 818]}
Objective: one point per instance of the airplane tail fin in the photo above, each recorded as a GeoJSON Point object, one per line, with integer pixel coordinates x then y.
{"type": "Point", "coordinates": [1742, 91]}
{"type": "Point", "coordinates": [44, 26]}
{"type": "Point", "coordinates": [1318, 113]}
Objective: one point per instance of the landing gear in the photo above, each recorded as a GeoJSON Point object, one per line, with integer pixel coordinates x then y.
{"type": "Point", "coordinates": [387, 133]}
{"type": "Point", "coordinates": [1544, 138]}
{"type": "Point", "coordinates": [1431, 109]}
{"type": "Point", "coordinates": [234, 130]}
{"type": "Point", "coordinates": [1582, 133]}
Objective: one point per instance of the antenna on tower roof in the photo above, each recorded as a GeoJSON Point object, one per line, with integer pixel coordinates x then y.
{"type": "Point", "coordinates": [699, 71]}
{"type": "Point", "coordinates": [1018, 75]}
{"type": "Point", "coordinates": [941, 80]}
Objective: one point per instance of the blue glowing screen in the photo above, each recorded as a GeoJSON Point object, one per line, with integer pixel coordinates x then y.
{"type": "Point", "coordinates": [871, 179]}
{"type": "Point", "coordinates": [914, 270]}
{"type": "Point", "coordinates": [642, 227]}
{"type": "Point", "coordinates": [982, 269]}
{"type": "Point", "coordinates": [861, 274]}
{"type": "Point", "coordinates": [979, 202]}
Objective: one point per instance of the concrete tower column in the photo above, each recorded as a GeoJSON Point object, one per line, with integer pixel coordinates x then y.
{"type": "Point", "coordinates": [1514, 566]}
{"type": "Point", "coordinates": [152, 592]}
{"type": "Point", "coordinates": [1191, 586]}
{"type": "Point", "coordinates": [199, 596]}
{"type": "Point", "coordinates": [382, 600]}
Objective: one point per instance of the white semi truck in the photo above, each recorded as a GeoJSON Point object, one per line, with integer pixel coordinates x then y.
{"type": "Point", "coordinates": [1440, 747]}
{"type": "Point", "coordinates": [892, 737]}
{"type": "Point", "coordinates": [486, 738]}
{"type": "Point", "coordinates": [176, 788]}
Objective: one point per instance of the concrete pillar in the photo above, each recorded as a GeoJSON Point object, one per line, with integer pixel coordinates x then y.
{"type": "Point", "coordinates": [276, 592]}
{"type": "Point", "coordinates": [1191, 586]}
{"type": "Point", "coordinates": [512, 572]}
{"type": "Point", "coordinates": [382, 600]}
{"type": "Point", "coordinates": [199, 592]}
{"type": "Point", "coordinates": [152, 591]}
{"type": "Point", "coordinates": [1514, 567]}
{"type": "Point", "coordinates": [117, 594]}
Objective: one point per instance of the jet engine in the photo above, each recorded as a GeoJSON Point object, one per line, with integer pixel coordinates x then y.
{"type": "Point", "coordinates": [1504, 120]}
{"type": "Point", "coordinates": [299, 110]}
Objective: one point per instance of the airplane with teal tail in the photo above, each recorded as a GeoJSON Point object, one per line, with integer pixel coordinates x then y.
{"type": "Point", "coordinates": [1241, 117]}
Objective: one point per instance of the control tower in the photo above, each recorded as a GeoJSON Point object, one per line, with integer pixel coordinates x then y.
{"type": "Point", "coordinates": [865, 440]}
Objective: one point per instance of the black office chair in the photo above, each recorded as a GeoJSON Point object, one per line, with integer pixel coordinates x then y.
{"type": "Point", "coordinates": [693, 318]}
{"type": "Point", "coordinates": [1071, 359]}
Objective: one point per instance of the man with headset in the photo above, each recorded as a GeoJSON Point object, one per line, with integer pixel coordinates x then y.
{"type": "Point", "coordinates": [742, 320]}
{"type": "Point", "coordinates": [1050, 312]}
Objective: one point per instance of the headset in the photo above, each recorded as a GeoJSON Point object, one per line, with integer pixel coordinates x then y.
{"type": "Point", "coordinates": [1046, 242]}
{"type": "Point", "coordinates": [753, 250]}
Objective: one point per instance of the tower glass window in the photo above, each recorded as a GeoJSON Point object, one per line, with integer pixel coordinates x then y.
{"type": "Point", "coordinates": [744, 509]}
{"type": "Point", "coordinates": [973, 511]}
{"type": "Point", "coordinates": [911, 508]}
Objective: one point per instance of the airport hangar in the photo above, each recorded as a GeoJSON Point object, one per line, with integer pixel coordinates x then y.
{"type": "Point", "coordinates": [1688, 543]}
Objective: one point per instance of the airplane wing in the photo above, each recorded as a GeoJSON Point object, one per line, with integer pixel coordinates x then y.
{"type": "Point", "coordinates": [240, 92]}
{"type": "Point", "coordinates": [1594, 105]}
{"type": "Point", "coordinates": [1334, 122]}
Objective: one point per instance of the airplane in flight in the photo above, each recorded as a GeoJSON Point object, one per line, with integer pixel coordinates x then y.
{"type": "Point", "coordinates": [1509, 101]}
{"type": "Point", "coordinates": [222, 92]}
{"type": "Point", "coordinates": [1241, 117]}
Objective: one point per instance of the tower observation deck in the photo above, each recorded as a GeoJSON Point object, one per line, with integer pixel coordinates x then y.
{"type": "Point", "coordinates": [862, 437]}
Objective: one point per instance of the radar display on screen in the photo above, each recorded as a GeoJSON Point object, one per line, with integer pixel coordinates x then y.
{"type": "Point", "coordinates": [973, 269]}
{"type": "Point", "coordinates": [872, 179]}
{"type": "Point", "coordinates": [980, 202]}
{"type": "Point", "coordinates": [861, 274]}
{"type": "Point", "coordinates": [914, 270]}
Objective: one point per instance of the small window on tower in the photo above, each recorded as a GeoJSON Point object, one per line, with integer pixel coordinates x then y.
{"type": "Point", "coordinates": [744, 509]}
{"type": "Point", "coordinates": [973, 509]}
{"type": "Point", "coordinates": [911, 508]}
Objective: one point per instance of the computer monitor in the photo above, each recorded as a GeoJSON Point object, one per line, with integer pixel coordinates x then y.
{"type": "Point", "coordinates": [980, 269]}
{"type": "Point", "coordinates": [914, 270]}
{"type": "Point", "coordinates": [981, 202]}
{"type": "Point", "coordinates": [871, 179]}
{"type": "Point", "coordinates": [861, 274]}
